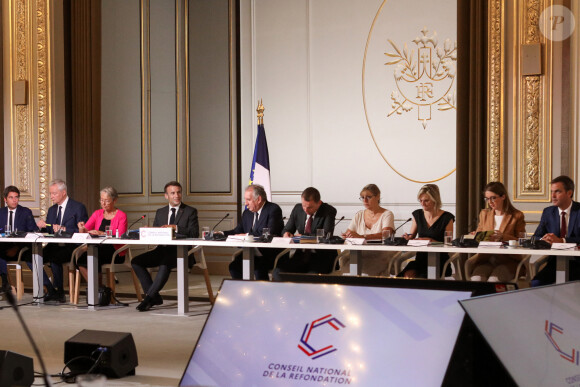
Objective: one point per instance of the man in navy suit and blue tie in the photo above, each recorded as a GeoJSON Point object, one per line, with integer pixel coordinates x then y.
{"type": "Point", "coordinates": [560, 223]}
{"type": "Point", "coordinates": [63, 216]}
{"type": "Point", "coordinates": [19, 219]}
{"type": "Point", "coordinates": [260, 214]}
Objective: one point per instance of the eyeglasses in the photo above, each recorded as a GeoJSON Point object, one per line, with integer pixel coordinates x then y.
{"type": "Point", "coordinates": [363, 198]}
{"type": "Point", "coordinates": [106, 201]}
{"type": "Point", "coordinates": [491, 198]}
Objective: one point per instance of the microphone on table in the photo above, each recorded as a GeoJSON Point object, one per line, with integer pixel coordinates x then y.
{"type": "Point", "coordinates": [404, 223]}
{"type": "Point", "coordinates": [340, 220]}
{"type": "Point", "coordinates": [128, 234]}
{"type": "Point", "coordinates": [397, 241]}
{"type": "Point", "coordinates": [333, 240]}
{"type": "Point", "coordinates": [219, 237]}
{"type": "Point", "coordinates": [64, 234]}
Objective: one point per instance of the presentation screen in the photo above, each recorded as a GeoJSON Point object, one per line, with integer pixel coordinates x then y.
{"type": "Point", "coordinates": [277, 334]}
{"type": "Point", "coordinates": [534, 332]}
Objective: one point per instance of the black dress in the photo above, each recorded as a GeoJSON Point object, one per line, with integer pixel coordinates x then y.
{"type": "Point", "coordinates": [436, 232]}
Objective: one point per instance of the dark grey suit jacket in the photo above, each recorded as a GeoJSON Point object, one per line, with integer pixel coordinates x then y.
{"type": "Point", "coordinates": [185, 219]}
{"type": "Point", "coordinates": [324, 218]}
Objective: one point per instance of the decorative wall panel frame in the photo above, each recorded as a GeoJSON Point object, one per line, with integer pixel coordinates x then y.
{"type": "Point", "coordinates": [496, 77]}
{"type": "Point", "coordinates": [533, 109]}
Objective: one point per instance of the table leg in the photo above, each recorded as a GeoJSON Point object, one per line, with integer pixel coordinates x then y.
{"type": "Point", "coordinates": [182, 280]}
{"type": "Point", "coordinates": [562, 269]}
{"type": "Point", "coordinates": [92, 273]}
{"type": "Point", "coordinates": [248, 263]}
{"type": "Point", "coordinates": [37, 272]}
{"type": "Point", "coordinates": [433, 263]}
{"type": "Point", "coordinates": [355, 262]}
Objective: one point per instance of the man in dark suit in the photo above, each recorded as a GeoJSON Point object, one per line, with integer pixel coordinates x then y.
{"type": "Point", "coordinates": [62, 217]}
{"type": "Point", "coordinates": [183, 219]}
{"type": "Point", "coordinates": [19, 219]}
{"type": "Point", "coordinates": [307, 217]}
{"type": "Point", "coordinates": [260, 214]}
{"type": "Point", "coordinates": [559, 223]}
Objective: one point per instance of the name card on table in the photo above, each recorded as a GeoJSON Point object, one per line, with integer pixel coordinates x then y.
{"type": "Point", "coordinates": [155, 234]}
{"type": "Point", "coordinates": [81, 236]}
{"type": "Point", "coordinates": [236, 238]}
{"type": "Point", "coordinates": [281, 240]}
{"type": "Point", "coordinates": [355, 241]}
{"type": "Point", "coordinates": [418, 242]}
{"type": "Point", "coordinates": [33, 236]}
{"type": "Point", "coordinates": [490, 244]}
{"type": "Point", "coordinates": [563, 246]}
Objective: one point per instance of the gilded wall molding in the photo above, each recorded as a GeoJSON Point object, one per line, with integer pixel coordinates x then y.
{"type": "Point", "coordinates": [43, 101]}
{"type": "Point", "coordinates": [532, 128]}
{"type": "Point", "coordinates": [22, 145]}
{"type": "Point", "coordinates": [496, 90]}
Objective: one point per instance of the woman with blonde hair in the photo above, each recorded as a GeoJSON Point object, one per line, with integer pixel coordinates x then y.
{"type": "Point", "coordinates": [430, 223]}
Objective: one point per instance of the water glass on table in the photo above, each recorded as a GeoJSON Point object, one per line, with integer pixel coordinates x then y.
{"type": "Point", "coordinates": [388, 235]}
{"type": "Point", "coordinates": [266, 233]}
{"type": "Point", "coordinates": [319, 235]}
{"type": "Point", "coordinates": [205, 232]}
{"type": "Point", "coordinates": [447, 241]}
{"type": "Point", "coordinates": [109, 231]}
{"type": "Point", "coordinates": [522, 236]}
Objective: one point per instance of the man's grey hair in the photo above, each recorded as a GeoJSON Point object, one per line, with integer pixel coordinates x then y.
{"type": "Point", "coordinates": [257, 190]}
{"type": "Point", "coordinates": [59, 183]}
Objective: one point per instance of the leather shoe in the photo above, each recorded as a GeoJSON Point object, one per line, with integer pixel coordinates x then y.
{"type": "Point", "coordinates": [57, 296]}
{"type": "Point", "coordinates": [148, 302]}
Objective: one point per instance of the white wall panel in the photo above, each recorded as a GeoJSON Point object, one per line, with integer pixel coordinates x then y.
{"type": "Point", "coordinates": [163, 93]}
{"type": "Point", "coordinates": [121, 151]}
{"type": "Point", "coordinates": [209, 96]}
{"type": "Point", "coordinates": [282, 80]}
{"type": "Point", "coordinates": [307, 65]}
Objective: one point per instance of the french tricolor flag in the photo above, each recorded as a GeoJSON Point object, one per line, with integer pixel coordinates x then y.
{"type": "Point", "coordinates": [260, 173]}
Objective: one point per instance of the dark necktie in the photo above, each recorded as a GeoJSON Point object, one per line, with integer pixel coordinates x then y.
{"type": "Point", "coordinates": [172, 217]}
{"type": "Point", "coordinates": [255, 222]}
{"type": "Point", "coordinates": [58, 215]}
{"type": "Point", "coordinates": [10, 220]}
{"type": "Point", "coordinates": [308, 228]}
{"type": "Point", "coordinates": [563, 227]}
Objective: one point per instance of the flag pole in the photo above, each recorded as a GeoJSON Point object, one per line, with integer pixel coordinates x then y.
{"type": "Point", "coordinates": [260, 111]}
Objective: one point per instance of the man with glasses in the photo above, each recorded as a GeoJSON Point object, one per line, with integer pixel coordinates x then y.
{"type": "Point", "coordinates": [183, 220]}
{"type": "Point", "coordinates": [559, 223]}
{"type": "Point", "coordinates": [17, 218]}
{"type": "Point", "coordinates": [62, 219]}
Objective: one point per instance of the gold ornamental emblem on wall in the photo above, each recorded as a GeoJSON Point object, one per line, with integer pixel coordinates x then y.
{"type": "Point", "coordinates": [423, 77]}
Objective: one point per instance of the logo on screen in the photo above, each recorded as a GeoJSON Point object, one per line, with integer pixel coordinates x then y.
{"type": "Point", "coordinates": [309, 333]}
{"type": "Point", "coordinates": [550, 330]}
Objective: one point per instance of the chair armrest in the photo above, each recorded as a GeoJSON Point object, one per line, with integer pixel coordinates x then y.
{"type": "Point", "coordinates": [280, 255]}
{"type": "Point", "coordinates": [453, 260]}
{"type": "Point", "coordinates": [201, 263]}
{"type": "Point", "coordinates": [524, 262]}
{"type": "Point", "coordinates": [20, 253]}
{"type": "Point", "coordinates": [535, 266]}
{"type": "Point", "coordinates": [76, 254]}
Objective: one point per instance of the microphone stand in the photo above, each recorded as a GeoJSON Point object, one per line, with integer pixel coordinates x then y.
{"type": "Point", "coordinates": [12, 301]}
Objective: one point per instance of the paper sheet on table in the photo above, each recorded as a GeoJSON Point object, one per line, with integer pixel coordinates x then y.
{"type": "Point", "coordinates": [355, 241]}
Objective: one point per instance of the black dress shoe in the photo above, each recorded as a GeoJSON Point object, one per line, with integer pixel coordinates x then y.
{"type": "Point", "coordinates": [148, 302]}
{"type": "Point", "coordinates": [57, 296]}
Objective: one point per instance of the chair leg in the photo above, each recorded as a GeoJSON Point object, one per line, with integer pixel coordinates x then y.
{"type": "Point", "coordinates": [137, 285]}
{"type": "Point", "coordinates": [111, 280]}
{"type": "Point", "coordinates": [77, 286]}
{"type": "Point", "coordinates": [19, 284]}
{"type": "Point", "coordinates": [208, 285]}
{"type": "Point", "coordinates": [71, 286]}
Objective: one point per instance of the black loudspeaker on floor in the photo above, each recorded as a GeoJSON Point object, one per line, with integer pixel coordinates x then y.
{"type": "Point", "coordinates": [119, 357]}
{"type": "Point", "coordinates": [15, 369]}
